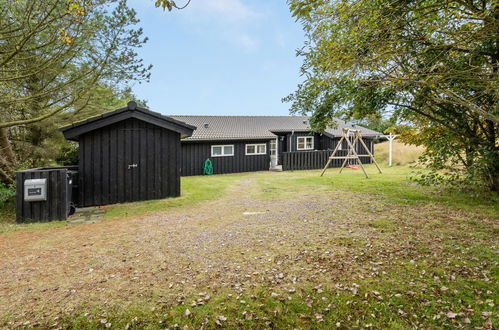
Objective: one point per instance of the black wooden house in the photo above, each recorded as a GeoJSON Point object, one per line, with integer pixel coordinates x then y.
{"type": "Point", "coordinates": [133, 154]}
{"type": "Point", "coordinates": [259, 143]}
{"type": "Point", "coordinates": [129, 154]}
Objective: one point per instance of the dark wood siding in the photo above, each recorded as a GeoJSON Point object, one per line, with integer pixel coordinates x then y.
{"type": "Point", "coordinates": [308, 160]}
{"type": "Point", "coordinates": [327, 142]}
{"type": "Point", "coordinates": [292, 139]}
{"type": "Point", "coordinates": [107, 156]}
{"type": "Point", "coordinates": [195, 153]}
{"type": "Point", "coordinates": [56, 207]}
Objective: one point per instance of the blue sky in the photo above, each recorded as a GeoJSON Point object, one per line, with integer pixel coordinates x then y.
{"type": "Point", "coordinates": [220, 57]}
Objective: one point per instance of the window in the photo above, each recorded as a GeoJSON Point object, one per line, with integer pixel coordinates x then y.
{"type": "Point", "coordinates": [256, 149]}
{"type": "Point", "coordinates": [220, 151]}
{"type": "Point", "coordinates": [305, 143]}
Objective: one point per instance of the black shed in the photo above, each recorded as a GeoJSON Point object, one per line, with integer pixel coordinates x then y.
{"type": "Point", "coordinates": [130, 154]}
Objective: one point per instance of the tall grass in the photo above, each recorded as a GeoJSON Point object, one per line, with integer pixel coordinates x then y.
{"type": "Point", "coordinates": [402, 154]}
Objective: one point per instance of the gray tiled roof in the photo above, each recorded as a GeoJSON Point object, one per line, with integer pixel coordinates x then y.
{"type": "Point", "coordinates": [255, 127]}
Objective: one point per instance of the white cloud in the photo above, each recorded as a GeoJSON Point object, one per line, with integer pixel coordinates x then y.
{"type": "Point", "coordinates": [227, 10]}
{"type": "Point", "coordinates": [233, 21]}
{"type": "Point", "coordinates": [245, 41]}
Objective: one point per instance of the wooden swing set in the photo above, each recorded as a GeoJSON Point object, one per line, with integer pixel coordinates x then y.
{"type": "Point", "coordinates": [352, 137]}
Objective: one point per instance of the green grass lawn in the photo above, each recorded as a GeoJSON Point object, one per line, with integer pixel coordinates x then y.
{"type": "Point", "coordinates": [194, 189]}
{"type": "Point", "coordinates": [345, 252]}
{"type": "Point", "coordinates": [393, 183]}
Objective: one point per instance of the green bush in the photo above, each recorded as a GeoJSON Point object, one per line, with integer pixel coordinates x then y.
{"type": "Point", "coordinates": [7, 203]}
{"type": "Point", "coordinates": [68, 155]}
{"type": "Point", "coordinates": [6, 194]}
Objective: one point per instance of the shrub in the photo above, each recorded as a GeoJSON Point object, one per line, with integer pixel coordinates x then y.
{"type": "Point", "coordinates": [6, 194]}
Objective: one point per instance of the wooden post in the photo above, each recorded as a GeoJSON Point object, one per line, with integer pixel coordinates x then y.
{"type": "Point", "coordinates": [357, 156]}
{"type": "Point", "coordinates": [334, 152]}
{"type": "Point", "coordinates": [390, 139]}
{"type": "Point", "coordinates": [352, 153]}
{"type": "Point", "coordinates": [368, 151]}
{"type": "Point", "coordinates": [349, 154]}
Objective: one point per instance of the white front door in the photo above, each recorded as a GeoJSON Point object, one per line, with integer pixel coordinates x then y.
{"type": "Point", "coordinates": [273, 153]}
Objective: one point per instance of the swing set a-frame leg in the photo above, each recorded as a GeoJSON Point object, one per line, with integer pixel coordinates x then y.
{"type": "Point", "coordinates": [362, 167]}
{"type": "Point", "coordinates": [327, 165]}
{"type": "Point", "coordinates": [332, 155]}
{"type": "Point", "coordinates": [345, 161]}
{"type": "Point", "coordinates": [352, 154]}
{"type": "Point", "coordinates": [370, 154]}
{"type": "Point", "coordinates": [352, 148]}
{"type": "Point", "coordinates": [349, 154]}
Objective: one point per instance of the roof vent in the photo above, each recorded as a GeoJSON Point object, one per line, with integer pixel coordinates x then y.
{"type": "Point", "coordinates": [206, 125]}
{"type": "Point", "coordinates": [305, 122]}
{"type": "Point", "coordinates": [353, 125]}
{"type": "Point", "coordinates": [132, 105]}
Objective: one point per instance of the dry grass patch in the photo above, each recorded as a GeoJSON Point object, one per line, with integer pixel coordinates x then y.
{"type": "Point", "coordinates": [402, 154]}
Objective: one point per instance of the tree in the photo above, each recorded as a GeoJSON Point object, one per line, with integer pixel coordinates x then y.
{"type": "Point", "coordinates": [378, 123]}
{"type": "Point", "coordinates": [41, 144]}
{"type": "Point", "coordinates": [53, 56]}
{"type": "Point", "coordinates": [169, 4]}
{"type": "Point", "coordinates": [430, 63]}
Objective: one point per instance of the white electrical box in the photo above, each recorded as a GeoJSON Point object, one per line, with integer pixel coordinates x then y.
{"type": "Point", "coordinates": [35, 190]}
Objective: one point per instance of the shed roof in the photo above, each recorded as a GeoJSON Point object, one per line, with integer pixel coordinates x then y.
{"type": "Point", "coordinates": [73, 131]}
{"type": "Point", "coordinates": [257, 127]}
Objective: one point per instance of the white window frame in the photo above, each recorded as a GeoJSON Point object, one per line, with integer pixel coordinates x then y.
{"type": "Point", "coordinates": [223, 150]}
{"type": "Point", "coordinates": [304, 142]}
{"type": "Point", "coordinates": [256, 149]}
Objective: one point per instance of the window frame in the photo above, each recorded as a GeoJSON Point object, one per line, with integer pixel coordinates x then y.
{"type": "Point", "coordinates": [223, 150]}
{"type": "Point", "coordinates": [256, 153]}
{"type": "Point", "coordinates": [304, 143]}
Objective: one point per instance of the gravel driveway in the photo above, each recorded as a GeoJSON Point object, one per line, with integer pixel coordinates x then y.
{"type": "Point", "coordinates": [239, 241]}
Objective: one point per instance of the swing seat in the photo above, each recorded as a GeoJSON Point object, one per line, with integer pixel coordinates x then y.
{"type": "Point", "coordinates": [353, 167]}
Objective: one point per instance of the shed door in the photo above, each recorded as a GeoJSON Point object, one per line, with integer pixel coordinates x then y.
{"type": "Point", "coordinates": [133, 165]}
